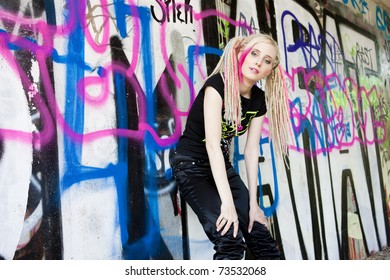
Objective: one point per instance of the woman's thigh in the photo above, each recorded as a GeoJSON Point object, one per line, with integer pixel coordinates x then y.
{"type": "Point", "coordinates": [199, 191]}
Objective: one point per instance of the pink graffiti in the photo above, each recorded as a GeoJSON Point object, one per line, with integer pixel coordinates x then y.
{"type": "Point", "coordinates": [356, 98]}
{"type": "Point", "coordinates": [143, 126]}
{"type": "Point", "coordinates": [41, 52]}
{"type": "Point", "coordinates": [45, 31]}
{"type": "Point", "coordinates": [93, 82]}
{"type": "Point", "coordinates": [32, 91]}
{"type": "Point", "coordinates": [52, 117]}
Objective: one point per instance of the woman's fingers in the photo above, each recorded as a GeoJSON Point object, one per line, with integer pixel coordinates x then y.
{"type": "Point", "coordinates": [250, 226]}
{"type": "Point", "coordinates": [260, 219]}
{"type": "Point", "coordinates": [235, 229]}
{"type": "Point", "coordinates": [225, 224]}
{"type": "Point", "coordinates": [226, 227]}
{"type": "Point", "coordinates": [221, 221]}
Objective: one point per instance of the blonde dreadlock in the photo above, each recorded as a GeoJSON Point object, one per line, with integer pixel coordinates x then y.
{"type": "Point", "coordinates": [278, 111]}
{"type": "Point", "coordinates": [276, 94]}
{"type": "Point", "coordinates": [228, 68]}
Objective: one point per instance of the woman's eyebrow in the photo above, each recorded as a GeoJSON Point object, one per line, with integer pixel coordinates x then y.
{"type": "Point", "coordinates": [267, 55]}
{"type": "Point", "coordinates": [258, 50]}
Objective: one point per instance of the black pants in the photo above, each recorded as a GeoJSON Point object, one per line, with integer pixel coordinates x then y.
{"type": "Point", "coordinates": [196, 184]}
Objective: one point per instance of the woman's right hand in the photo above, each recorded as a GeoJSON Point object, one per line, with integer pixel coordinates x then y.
{"type": "Point", "coordinates": [227, 218]}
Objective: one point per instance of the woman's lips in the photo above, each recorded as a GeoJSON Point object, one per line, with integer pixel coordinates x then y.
{"type": "Point", "coordinates": [254, 70]}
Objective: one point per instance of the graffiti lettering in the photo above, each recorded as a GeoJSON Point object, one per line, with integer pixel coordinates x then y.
{"type": "Point", "coordinates": [172, 12]}
{"type": "Point", "coordinates": [253, 26]}
{"type": "Point", "coordinates": [363, 56]}
{"type": "Point", "coordinates": [360, 5]}
{"type": "Point", "coordinates": [383, 21]}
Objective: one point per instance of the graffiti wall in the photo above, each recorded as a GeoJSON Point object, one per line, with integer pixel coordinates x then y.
{"type": "Point", "coordinates": [94, 96]}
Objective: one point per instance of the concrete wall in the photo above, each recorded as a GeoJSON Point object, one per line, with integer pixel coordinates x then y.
{"type": "Point", "coordinates": [94, 96]}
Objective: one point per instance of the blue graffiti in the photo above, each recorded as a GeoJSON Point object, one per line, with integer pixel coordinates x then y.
{"type": "Point", "coordinates": [360, 5]}
{"type": "Point", "coordinates": [383, 21]}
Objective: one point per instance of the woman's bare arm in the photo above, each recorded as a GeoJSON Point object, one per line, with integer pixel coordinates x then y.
{"type": "Point", "coordinates": [213, 130]}
{"type": "Point", "coordinates": [251, 155]}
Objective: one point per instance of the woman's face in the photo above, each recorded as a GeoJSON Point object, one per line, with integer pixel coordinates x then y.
{"type": "Point", "coordinates": [257, 62]}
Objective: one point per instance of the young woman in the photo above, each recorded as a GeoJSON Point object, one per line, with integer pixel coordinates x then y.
{"type": "Point", "coordinates": [230, 104]}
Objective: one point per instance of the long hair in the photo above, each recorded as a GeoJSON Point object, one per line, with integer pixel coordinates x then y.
{"type": "Point", "coordinates": [276, 95]}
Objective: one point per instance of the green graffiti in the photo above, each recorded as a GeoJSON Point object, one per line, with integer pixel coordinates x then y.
{"type": "Point", "coordinates": [223, 30]}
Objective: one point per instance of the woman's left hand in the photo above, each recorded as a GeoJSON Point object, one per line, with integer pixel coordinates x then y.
{"type": "Point", "coordinates": [256, 214]}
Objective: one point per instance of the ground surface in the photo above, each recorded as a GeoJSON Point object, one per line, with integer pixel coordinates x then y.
{"type": "Point", "coordinates": [383, 254]}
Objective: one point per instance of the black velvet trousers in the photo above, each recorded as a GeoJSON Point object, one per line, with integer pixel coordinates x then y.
{"type": "Point", "coordinates": [196, 185]}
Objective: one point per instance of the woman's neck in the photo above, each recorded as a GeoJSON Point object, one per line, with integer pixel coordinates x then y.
{"type": "Point", "coordinates": [245, 90]}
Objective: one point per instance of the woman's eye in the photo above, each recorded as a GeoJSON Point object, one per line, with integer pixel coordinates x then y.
{"type": "Point", "coordinates": [254, 53]}
{"type": "Point", "coordinates": [268, 61]}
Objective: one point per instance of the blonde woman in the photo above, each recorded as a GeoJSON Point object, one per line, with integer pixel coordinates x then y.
{"type": "Point", "coordinates": [228, 105]}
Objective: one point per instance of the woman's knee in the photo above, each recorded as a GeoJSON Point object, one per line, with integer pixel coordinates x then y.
{"type": "Point", "coordinates": [261, 243]}
{"type": "Point", "coordinates": [229, 248]}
